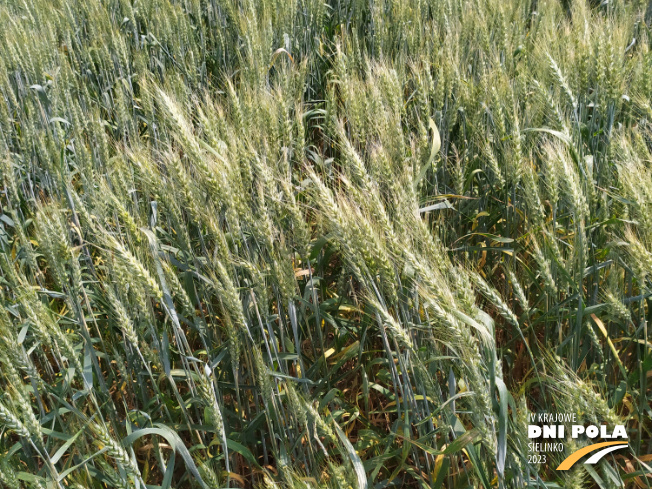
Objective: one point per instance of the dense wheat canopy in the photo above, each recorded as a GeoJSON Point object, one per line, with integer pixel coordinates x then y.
{"type": "Point", "coordinates": [322, 243]}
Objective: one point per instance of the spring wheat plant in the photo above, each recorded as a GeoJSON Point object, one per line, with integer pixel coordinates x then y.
{"type": "Point", "coordinates": [322, 243]}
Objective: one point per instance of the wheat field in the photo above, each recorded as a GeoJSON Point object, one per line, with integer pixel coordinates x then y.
{"type": "Point", "coordinates": [322, 243]}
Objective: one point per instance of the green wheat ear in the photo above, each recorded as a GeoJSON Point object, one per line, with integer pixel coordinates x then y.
{"type": "Point", "coordinates": [321, 244]}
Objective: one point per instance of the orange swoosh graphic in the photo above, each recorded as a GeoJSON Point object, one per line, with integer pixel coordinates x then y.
{"type": "Point", "coordinates": [575, 456]}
